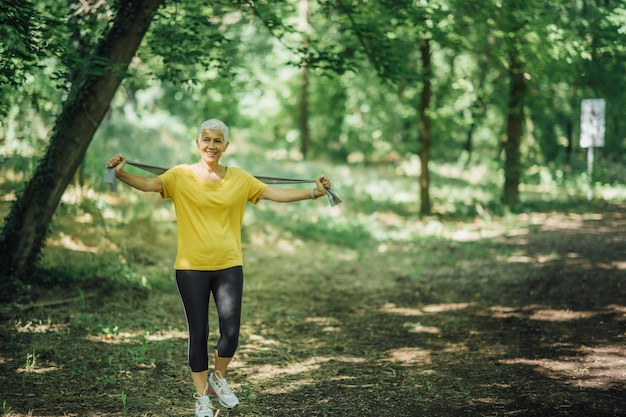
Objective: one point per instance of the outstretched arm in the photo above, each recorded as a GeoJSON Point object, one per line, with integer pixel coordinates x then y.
{"type": "Point", "coordinates": [288, 195]}
{"type": "Point", "coordinates": [136, 181]}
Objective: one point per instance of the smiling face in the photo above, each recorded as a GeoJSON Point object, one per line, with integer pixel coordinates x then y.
{"type": "Point", "coordinates": [211, 146]}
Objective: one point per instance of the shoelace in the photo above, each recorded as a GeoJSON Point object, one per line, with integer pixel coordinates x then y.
{"type": "Point", "coordinates": [204, 401]}
{"type": "Point", "coordinates": [222, 383]}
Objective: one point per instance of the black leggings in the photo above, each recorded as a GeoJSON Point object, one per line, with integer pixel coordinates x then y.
{"type": "Point", "coordinates": [195, 288]}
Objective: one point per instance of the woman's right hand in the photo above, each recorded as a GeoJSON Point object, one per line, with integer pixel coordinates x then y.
{"type": "Point", "coordinates": [118, 162]}
{"type": "Point", "coordinates": [136, 181]}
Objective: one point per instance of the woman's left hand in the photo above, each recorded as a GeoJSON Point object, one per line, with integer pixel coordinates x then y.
{"type": "Point", "coordinates": [323, 183]}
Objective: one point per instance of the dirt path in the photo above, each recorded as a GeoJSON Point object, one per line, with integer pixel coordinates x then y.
{"type": "Point", "coordinates": [531, 323]}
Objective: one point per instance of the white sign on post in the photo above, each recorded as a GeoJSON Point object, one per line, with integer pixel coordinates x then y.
{"type": "Point", "coordinates": [592, 128]}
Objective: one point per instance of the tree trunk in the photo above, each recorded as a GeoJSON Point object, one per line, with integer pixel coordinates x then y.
{"type": "Point", "coordinates": [305, 136]}
{"type": "Point", "coordinates": [303, 118]}
{"type": "Point", "coordinates": [424, 132]}
{"type": "Point", "coordinates": [569, 129]}
{"type": "Point", "coordinates": [515, 126]}
{"type": "Point", "coordinates": [26, 227]}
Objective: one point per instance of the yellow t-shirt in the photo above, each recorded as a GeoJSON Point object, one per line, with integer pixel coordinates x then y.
{"type": "Point", "coordinates": [209, 216]}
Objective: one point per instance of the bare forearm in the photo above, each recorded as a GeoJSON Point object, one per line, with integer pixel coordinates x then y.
{"type": "Point", "coordinates": [139, 182]}
{"type": "Point", "coordinates": [288, 195]}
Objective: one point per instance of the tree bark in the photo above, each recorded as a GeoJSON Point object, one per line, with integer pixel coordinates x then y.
{"type": "Point", "coordinates": [305, 144]}
{"type": "Point", "coordinates": [26, 227]}
{"type": "Point", "coordinates": [514, 130]}
{"type": "Point", "coordinates": [569, 129]}
{"type": "Point", "coordinates": [303, 118]}
{"type": "Point", "coordinates": [424, 132]}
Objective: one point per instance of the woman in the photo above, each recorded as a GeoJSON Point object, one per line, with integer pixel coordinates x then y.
{"type": "Point", "coordinates": [210, 199]}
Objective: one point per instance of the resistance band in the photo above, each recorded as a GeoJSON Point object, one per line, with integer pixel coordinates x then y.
{"type": "Point", "coordinates": [110, 179]}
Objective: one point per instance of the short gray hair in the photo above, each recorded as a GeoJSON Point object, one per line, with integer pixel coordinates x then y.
{"type": "Point", "coordinates": [214, 124]}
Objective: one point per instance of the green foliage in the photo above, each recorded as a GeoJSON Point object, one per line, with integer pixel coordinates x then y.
{"type": "Point", "coordinates": [124, 398]}
{"type": "Point", "coordinates": [21, 46]}
{"type": "Point", "coordinates": [189, 39]}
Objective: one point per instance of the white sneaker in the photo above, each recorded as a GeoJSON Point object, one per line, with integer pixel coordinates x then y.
{"type": "Point", "coordinates": [204, 407]}
{"type": "Point", "coordinates": [219, 387]}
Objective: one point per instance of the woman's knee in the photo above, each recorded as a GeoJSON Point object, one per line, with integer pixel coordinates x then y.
{"type": "Point", "coordinates": [227, 344]}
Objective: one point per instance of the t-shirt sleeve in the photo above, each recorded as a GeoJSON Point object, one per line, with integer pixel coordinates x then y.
{"type": "Point", "coordinates": [168, 178]}
{"type": "Point", "coordinates": [256, 188]}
